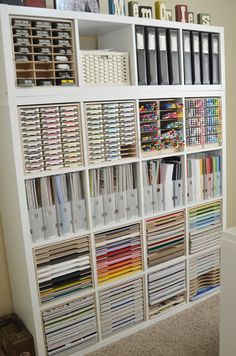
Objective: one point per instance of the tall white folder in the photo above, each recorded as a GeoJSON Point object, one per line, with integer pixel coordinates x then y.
{"type": "Point", "coordinates": [166, 174]}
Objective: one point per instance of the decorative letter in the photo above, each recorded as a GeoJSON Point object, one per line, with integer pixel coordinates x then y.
{"type": "Point", "coordinates": [181, 13]}
{"type": "Point", "coordinates": [145, 11]}
{"type": "Point", "coordinates": [133, 8]}
{"type": "Point", "coordinates": [168, 15]}
{"type": "Point", "coordinates": [160, 10]}
{"type": "Point", "coordinates": [117, 7]}
{"type": "Point", "coordinates": [190, 17]}
{"type": "Point", "coordinates": [204, 19]}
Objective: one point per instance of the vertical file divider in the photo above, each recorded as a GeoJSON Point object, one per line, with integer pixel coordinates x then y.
{"type": "Point", "coordinates": [78, 60]}
{"type": "Point", "coordinates": [133, 60]}
{"type": "Point", "coordinates": [187, 251]}
{"type": "Point", "coordinates": [181, 60]}
{"type": "Point", "coordinates": [93, 251]}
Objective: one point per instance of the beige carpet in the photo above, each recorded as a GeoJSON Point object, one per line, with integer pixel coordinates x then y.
{"type": "Point", "coordinates": [194, 332]}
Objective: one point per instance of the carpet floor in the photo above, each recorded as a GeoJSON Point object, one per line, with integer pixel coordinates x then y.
{"type": "Point", "coordinates": [194, 332]}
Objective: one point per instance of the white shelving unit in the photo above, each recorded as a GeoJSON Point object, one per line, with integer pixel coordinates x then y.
{"type": "Point", "coordinates": [117, 33]}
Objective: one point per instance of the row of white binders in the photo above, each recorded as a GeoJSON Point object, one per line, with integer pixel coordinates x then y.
{"type": "Point", "coordinates": [114, 194]}
{"type": "Point", "coordinates": [56, 206]}
{"type": "Point", "coordinates": [204, 177]}
{"type": "Point", "coordinates": [163, 185]}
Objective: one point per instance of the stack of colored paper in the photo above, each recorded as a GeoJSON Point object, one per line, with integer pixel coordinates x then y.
{"type": "Point", "coordinates": [165, 238]}
{"type": "Point", "coordinates": [63, 268]}
{"type": "Point", "coordinates": [118, 253]}
{"type": "Point", "coordinates": [205, 226]}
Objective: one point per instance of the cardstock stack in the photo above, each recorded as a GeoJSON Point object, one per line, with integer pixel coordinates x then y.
{"type": "Point", "coordinates": [165, 238]}
{"type": "Point", "coordinates": [205, 226]}
{"type": "Point", "coordinates": [118, 253]}
{"type": "Point", "coordinates": [203, 122]}
{"type": "Point", "coordinates": [51, 136]}
{"type": "Point", "coordinates": [63, 269]}
{"type": "Point", "coordinates": [204, 274]}
{"type": "Point", "coordinates": [111, 130]}
{"type": "Point", "coordinates": [70, 325]}
{"type": "Point", "coordinates": [121, 307]}
{"type": "Point", "coordinates": [166, 288]}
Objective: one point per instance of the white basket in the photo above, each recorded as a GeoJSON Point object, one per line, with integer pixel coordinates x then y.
{"type": "Point", "coordinates": [105, 68]}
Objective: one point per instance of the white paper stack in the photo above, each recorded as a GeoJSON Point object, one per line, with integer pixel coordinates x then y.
{"type": "Point", "coordinates": [121, 307]}
{"type": "Point", "coordinates": [166, 288]}
{"type": "Point", "coordinates": [204, 274]}
{"type": "Point", "coordinates": [114, 195]}
{"type": "Point", "coordinates": [56, 205]}
{"type": "Point", "coordinates": [63, 269]}
{"type": "Point", "coordinates": [70, 325]}
{"type": "Point", "coordinates": [205, 225]}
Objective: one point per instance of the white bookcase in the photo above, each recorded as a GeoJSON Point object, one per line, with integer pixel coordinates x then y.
{"type": "Point", "coordinates": [117, 295]}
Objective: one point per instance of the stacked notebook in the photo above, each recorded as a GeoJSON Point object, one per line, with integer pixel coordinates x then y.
{"type": "Point", "coordinates": [56, 205]}
{"type": "Point", "coordinates": [51, 136]}
{"type": "Point", "coordinates": [111, 130]}
{"type": "Point", "coordinates": [204, 274]}
{"type": "Point", "coordinates": [114, 195]}
{"type": "Point", "coordinates": [63, 269]}
{"type": "Point", "coordinates": [165, 238]}
{"type": "Point", "coordinates": [70, 326]}
{"type": "Point", "coordinates": [205, 226]}
{"type": "Point", "coordinates": [203, 121]}
{"type": "Point", "coordinates": [204, 177]}
{"type": "Point", "coordinates": [166, 288]}
{"type": "Point", "coordinates": [118, 253]}
{"type": "Point", "coordinates": [121, 307]}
